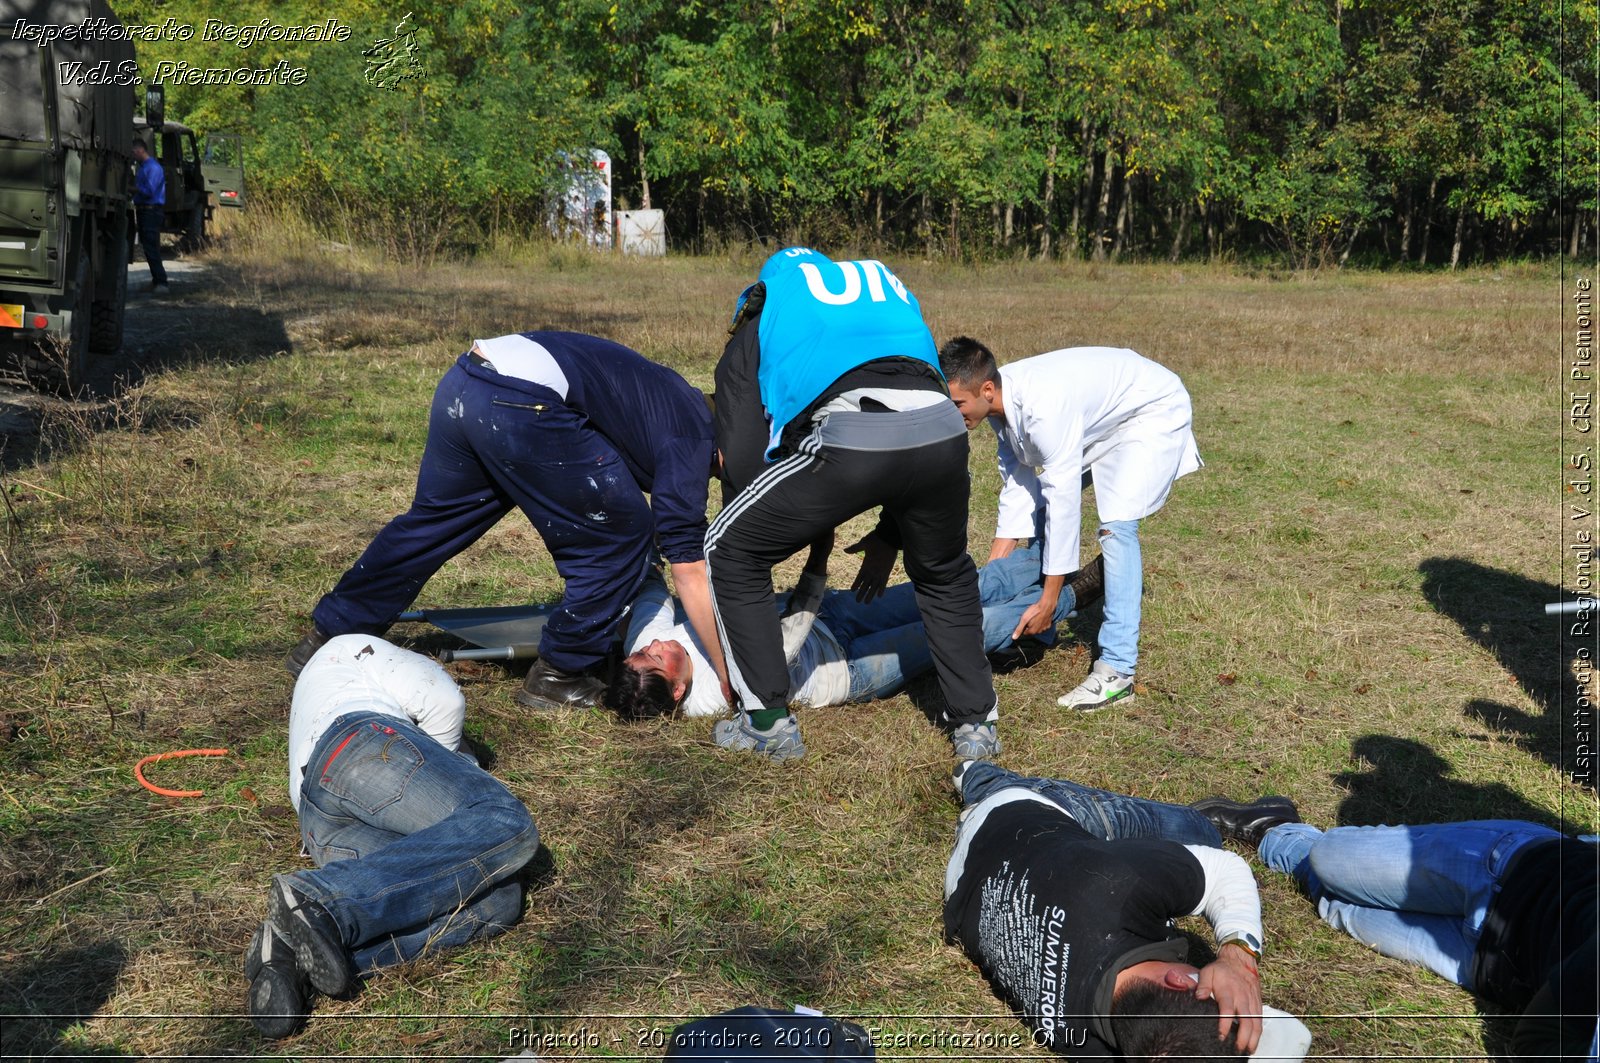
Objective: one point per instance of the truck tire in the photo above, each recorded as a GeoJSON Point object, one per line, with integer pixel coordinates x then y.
{"type": "Point", "coordinates": [111, 294]}
{"type": "Point", "coordinates": [63, 361]}
{"type": "Point", "coordinates": [194, 233]}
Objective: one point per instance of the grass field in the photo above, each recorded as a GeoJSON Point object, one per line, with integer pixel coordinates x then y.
{"type": "Point", "coordinates": [1343, 606]}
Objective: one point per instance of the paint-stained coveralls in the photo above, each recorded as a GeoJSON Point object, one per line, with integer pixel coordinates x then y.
{"type": "Point", "coordinates": [573, 430]}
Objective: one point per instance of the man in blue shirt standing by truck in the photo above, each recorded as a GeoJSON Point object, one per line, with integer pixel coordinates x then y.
{"type": "Point", "coordinates": [150, 200]}
{"type": "Point", "coordinates": [573, 430]}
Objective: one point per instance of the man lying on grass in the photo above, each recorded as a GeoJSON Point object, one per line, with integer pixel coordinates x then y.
{"type": "Point", "coordinates": [415, 844]}
{"type": "Point", "coordinates": [838, 649]}
{"type": "Point", "coordinates": [1064, 896]}
{"type": "Point", "coordinates": [1505, 909]}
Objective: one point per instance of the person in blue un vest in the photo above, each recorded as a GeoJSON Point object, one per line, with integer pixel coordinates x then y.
{"type": "Point", "coordinates": [829, 402]}
{"type": "Point", "coordinates": [573, 430]}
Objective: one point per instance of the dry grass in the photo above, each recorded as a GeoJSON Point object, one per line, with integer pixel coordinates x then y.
{"type": "Point", "coordinates": [1342, 606]}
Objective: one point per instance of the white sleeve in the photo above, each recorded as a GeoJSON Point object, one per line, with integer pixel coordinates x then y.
{"type": "Point", "coordinates": [652, 616]}
{"type": "Point", "coordinates": [1061, 484]}
{"type": "Point", "coordinates": [1019, 494]}
{"type": "Point", "coordinates": [801, 613]}
{"type": "Point", "coordinates": [1230, 903]}
{"type": "Point", "coordinates": [425, 691]}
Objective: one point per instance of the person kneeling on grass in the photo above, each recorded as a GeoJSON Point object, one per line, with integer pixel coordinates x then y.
{"type": "Point", "coordinates": [1064, 896]}
{"type": "Point", "coordinates": [839, 649]}
{"type": "Point", "coordinates": [415, 844]}
{"type": "Point", "coordinates": [1505, 909]}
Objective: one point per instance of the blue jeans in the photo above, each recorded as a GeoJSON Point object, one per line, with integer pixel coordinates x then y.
{"type": "Point", "coordinates": [1119, 630]}
{"type": "Point", "coordinates": [415, 845]}
{"type": "Point", "coordinates": [884, 641]}
{"type": "Point", "coordinates": [1415, 893]}
{"type": "Point", "coordinates": [1106, 815]}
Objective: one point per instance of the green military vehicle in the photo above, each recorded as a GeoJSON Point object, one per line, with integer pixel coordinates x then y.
{"type": "Point", "coordinates": [224, 166]}
{"type": "Point", "coordinates": [66, 185]}
{"type": "Point", "coordinates": [188, 206]}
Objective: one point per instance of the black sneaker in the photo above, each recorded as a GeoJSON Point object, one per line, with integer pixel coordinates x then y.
{"type": "Point", "coordinates": [301, 655]}
{"type": "Point", "coordinates": [278, 991]}
{"type": "Point", "coordinates": [1247, 823]}
{"type": "Point", "coordinates": [1089, 585]}
{"type": "Point", "coordinates": [318, 945]}
{"type": "Point", "coordinates": [548, 687]}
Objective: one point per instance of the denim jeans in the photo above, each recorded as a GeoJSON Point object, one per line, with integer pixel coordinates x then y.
{"type": "Point", "coordinates": [1119, 630]}
{"type": "Point", "coordinates": [415, 845]}
{"type": "Point", "coordinates": [1106, 815]}
{"type": "Point", "coordinates": [884, 642]}
{"type": "Point", "coordinates": [1415, 893]}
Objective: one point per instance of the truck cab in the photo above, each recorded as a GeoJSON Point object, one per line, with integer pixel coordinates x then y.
{"type": "Point", "coordinates": [189, 204]}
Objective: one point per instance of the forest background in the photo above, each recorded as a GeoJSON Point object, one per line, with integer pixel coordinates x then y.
{"type": "Point", "coordinates": [1378, 132]}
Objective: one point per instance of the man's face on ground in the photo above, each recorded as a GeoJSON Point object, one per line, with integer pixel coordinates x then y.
{"type": "Point", "coordinates": [667, 658]}
{"type": "Point", "coordinates": [975, 404]}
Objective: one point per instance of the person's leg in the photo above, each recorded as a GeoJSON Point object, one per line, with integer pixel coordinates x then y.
{"type": "Point", "coordinates": [455, 504]}
{"type": "Point", "coordinates": [579, 496]}
{"type": "Point", "coordinates": [1119, 631]}
{"type": "Point", "coordinates": [1007, 587]}
{"type": "Point", "coordinates": [488, 914]}
{"type": "Point", "coordinates": [445, 831]}
{"type": "Point", "coordinates": [1108, 815]}
{"type": "Point", "coordinates": [150, 221]}
{"type": "Point", "coordinates": [930, 507]}
{"type": "Point", "coordinates": [1417, 893]}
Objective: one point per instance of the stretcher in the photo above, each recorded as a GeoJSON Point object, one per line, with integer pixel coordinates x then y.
{"type": "Point", "coordinates": [496, 633]}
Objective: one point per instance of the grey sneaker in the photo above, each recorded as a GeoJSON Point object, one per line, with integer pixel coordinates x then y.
{"type": "Point", "coordinates": [781, 742]}
{"type": "Point", "coordinates": [975, 741]}
{"type": "Point", "coordinates": [1103, 686]}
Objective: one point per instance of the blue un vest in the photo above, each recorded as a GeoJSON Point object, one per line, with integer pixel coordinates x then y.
{"type": "Point", "coordinates": [821, 320]}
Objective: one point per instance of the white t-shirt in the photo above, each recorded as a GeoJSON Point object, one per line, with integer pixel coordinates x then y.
{"type": "Point", "coordinates": [818, 672]}
{"type": "Point", "coordinates": [363, 673]}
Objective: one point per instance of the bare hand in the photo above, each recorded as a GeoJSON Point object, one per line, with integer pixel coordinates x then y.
{"type": "Point", "coordinates": [1233, 981]}
{"type": "Point", "coordinates": [877, 562]}
{"type": "Point", "coordinates": [1002, 548]}
{"type": "Point", "coordinates": [1040, 617]}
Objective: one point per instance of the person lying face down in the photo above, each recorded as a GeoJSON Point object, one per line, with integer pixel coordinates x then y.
{"type": "Point", "coordinates": [839, 650]}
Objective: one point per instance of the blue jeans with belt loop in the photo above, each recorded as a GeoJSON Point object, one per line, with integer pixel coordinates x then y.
{"type": "Point", "coordinates": [416, 846]}
{"type": "Point", "coordinates": [1109, 816]}
{"type": "Point", "coordinates": [1417, 893]}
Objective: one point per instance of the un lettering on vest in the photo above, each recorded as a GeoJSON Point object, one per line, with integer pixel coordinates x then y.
{"type": "Point", "coordinates": [875, 274]}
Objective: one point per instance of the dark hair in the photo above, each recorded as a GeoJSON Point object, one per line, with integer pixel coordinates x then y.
{"type": "Point", "coordinates": [1151, 1021]}
{"type": "Point", "coordinates": [750, 309]}
{"type": "Point", "coordinates": [639, 694]}
{"type": "Point", "coordinates": [965, 361]}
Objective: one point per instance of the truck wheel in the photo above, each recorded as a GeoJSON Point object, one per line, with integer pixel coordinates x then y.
{"type": "Point", "coordinates": [111, 294]}
{"type": "Point", "coordinates": [64, 360]}
{"type": "Point", "coordinates": [194, 233]}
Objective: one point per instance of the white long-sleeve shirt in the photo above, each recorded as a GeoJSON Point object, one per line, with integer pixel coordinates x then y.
{"type": "Point", "coordinates": [363, 673]}
{"type": "Point", "coordinates": [1103, 408]}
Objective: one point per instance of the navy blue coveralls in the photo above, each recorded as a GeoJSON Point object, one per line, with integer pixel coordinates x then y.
{"type": "Point", "coordinates": [578, 468]}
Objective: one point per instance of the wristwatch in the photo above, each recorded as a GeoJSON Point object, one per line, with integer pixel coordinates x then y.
{"type": "Point", "coordinates": [1244, 940]}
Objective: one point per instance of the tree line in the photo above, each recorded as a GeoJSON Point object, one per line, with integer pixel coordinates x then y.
{"type": "Point", "coordinates": [1308, 132]}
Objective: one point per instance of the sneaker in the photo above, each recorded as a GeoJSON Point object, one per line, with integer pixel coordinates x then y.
{"type": "Point", "coordinates": [318, 945]}
{"type": "Point", "coordinates": [1103, 686]}
{"type": "Point", "coordinates": [1089, 585]}
{"type": "Point", "coordinates": [1248, 822]}
{"type": "Point", "coordinates": [548, 687]}
{"type": "Point", "coordinates": [975, 741]}
{"type": "Point", "coordinates": [278, 991]}
{"type": "Point", "coordinates": [780, 742]}
{"type": "Point", "coordinates": [301, 655]}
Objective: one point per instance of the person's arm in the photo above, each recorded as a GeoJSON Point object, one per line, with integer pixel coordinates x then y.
{"type": "Point", "coordinates": [1019, 497]}
{"type": "Point", "coordinates": [1231, 904]}
{"type": "Point", "coordinates": [1041, 615]}
{"type": "Point", "coordinates": [694, 591]}
{"type": "Point", "coordinates": [741, 419]}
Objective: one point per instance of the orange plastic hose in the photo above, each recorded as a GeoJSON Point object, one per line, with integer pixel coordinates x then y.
{"type": "Point", "coordinates": [138, 770]}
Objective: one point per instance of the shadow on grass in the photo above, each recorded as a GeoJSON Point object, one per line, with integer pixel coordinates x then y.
{"type": "Point", "coordinates": [1504, 613]}
{"type": "Point", "coordinates": [48, 994]}
{"type": "Point", "coordinates": [1407, 782]}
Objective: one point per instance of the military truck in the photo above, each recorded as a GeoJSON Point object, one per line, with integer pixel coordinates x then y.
{"type": "Point", "coordinates": [66, 186]}
{"type": "Point", "coordinates": [224, 166]}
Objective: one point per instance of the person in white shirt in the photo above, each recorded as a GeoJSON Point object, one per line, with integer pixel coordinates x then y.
{"type": "Point", "coordinates": [1107, 411]}
{"type": "Point", "coordinates": [838, 649]}
{"type": "Point", "coordinates": [416, 846]}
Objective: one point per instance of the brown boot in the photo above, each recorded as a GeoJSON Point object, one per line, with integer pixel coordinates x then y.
{"type": "Point", "coordinates": [301, 655]}
{"type": "Point", "coordinates": [1089, 585]}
